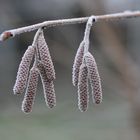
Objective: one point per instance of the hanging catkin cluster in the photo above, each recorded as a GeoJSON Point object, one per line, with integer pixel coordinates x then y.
{"type": "Point", "coordinates": [27, 78]}
{"type": "Point", "coordinates": [85, 68]}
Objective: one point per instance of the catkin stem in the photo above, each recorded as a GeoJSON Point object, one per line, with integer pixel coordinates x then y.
{"type": "Point", "coordinates": [109, 17]}
{"type": "Point", "coordinates": [87, 33]}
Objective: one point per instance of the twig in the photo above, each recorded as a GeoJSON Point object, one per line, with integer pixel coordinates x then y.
{"type": "Point", "coordinates": [117, 16]}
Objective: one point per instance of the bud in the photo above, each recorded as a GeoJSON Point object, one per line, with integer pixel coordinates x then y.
{"type": "Point", "coordinates": [45, 56]}
{"type": "Point", "coordinates": [30, 91]}
{"type": "Point", "coordinates": [23, 70]}
{"type": "Point", "coordinates": [6, 35]}
{"type": "Point", "coordinates": [77, 63]}
{"type": "Point", "coordinates": [83, 95]}
{"type": "Point", "coordinates": [48, 87]}
{"type": "Point", "coordinates": [94, 78]}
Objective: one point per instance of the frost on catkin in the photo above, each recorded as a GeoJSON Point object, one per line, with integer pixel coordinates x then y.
{"type": "Point", "coordinates": [49, 93]}
{"type": "Point", "coordinates": [23, 70]}
{"type": "Point", "coordinates": [83, 95]}
{"type": "Point", "coordinates": [46, 57]}
{"type": "Point", "coordinates": [30, 91]}
{"type": "Point", "coordinates": [94, 78]}
{"type": "Point", "coordinates": [77, 63]}
{"type": "Point", "coordinates": [48, 87]}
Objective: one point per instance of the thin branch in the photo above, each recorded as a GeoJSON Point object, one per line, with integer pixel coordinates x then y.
{"type": "Point", "coordinates": [117, 16]}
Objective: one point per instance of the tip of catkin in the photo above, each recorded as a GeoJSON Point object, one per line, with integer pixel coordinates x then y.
{"type": "Point", "coordinates": [26, 111]}
{"type": "Point", "coordinates": [16, 92]}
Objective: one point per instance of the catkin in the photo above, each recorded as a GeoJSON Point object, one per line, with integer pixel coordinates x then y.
{"type": "Point", "coordinates": [77, 63]}
{"type": "Point", "coordinates": [49, 94]}
{"type": "Point", "coordinates": [45, 56]}
{"type": "Point", "coordinates": [83, 95]}
{"type": "Point", "coordinates": [23, 70]}
{"type": "Point", "coordinates": [94, 78]}
{"type": "Point", "coordinates": [48, 87]}
{"type": "Point", "coordinates": [30, 91]}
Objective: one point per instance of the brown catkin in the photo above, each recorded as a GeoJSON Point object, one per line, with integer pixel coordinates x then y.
{"type": "Point", "coordinates": [83, 95]}
{"type": "Point", "coordinates": [23, 70]}
{"type": "Point", "coordinates": [48, 87]}
{"type": "Point", "coordinates": [77, 63]}
{"type": "Point", "coordinates": [45, 56]}
{"type": "Point", "coordinates": [49, 94]}
{"type": "Point", "coordinates": [30, 91]}
{"type": "Point", "coordinates": [94, 78]}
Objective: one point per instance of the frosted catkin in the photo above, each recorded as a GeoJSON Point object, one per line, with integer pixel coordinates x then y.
{"type": "Point", "coordinates": [45, 56]}
{"type": "Point", "coordinates": [30, 91]}
{"type": "Point", "coordinates": [83, 95]}
{"type": "Point", "coordinates": [48, 87]}
{"type": "Point", "coordinates": [23, 70]}
{"type": "Point", "coordinates": [49, 93]}
{"type": "Point", "coordinates": [77, 63]}
{"type": "Point", "coordinates": [94, 78]}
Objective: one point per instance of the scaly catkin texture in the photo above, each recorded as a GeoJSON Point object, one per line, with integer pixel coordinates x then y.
{"type": "Point", "coordinates": [94, 78]}
{"type": "Point", "coordinates": [83, 95]}
{"type": "Point", "coordinates": [45, 56]}
{"type": "Point", "coordinates": [49, 93]}
{"type": "Point", "coordinates": [77, 63]}
{"type": "Point", "coordinates": [48, 87]}
{"type": "Point", "coordinates": [30, 91]}
{"type": "Point", "coordinates": [23, 70]}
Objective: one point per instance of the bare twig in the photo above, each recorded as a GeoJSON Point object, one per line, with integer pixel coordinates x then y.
{"type": "Point", "coordinates": [117, 16]}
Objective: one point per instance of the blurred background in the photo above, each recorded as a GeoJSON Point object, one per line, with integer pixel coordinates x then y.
{"type": "Point", "coordinates": [115, 46]}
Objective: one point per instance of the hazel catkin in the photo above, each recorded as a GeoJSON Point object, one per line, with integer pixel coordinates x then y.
{"type": "Point", "coordinates": [48, 87]}
{"type": "Point", "coordinates": [30, 91]}
{"type": "Point", "coordinates": [23, 70]}
{"type": "Point", "coordinates": [45, 56]}
{"type": "Point", "coordinates": [77, 63]}
{"type": "Point", "coordinates": [83, 95]}
{"type": "Point", "coordinates": [94, 78]}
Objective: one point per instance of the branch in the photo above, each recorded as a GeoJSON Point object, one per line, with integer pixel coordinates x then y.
{"type": "Point", "coordinates": [117, 16]}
